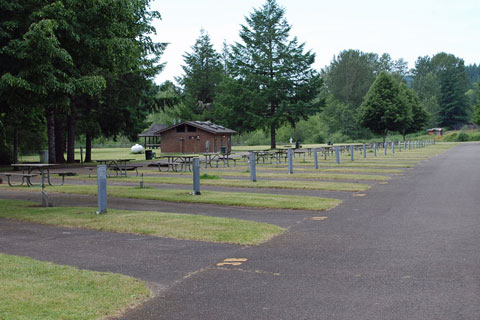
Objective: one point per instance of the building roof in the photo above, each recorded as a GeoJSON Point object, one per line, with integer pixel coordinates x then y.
{"type": "Point", "coordinates": [203, 125]}
{"type": "Point", "coordinates": [152, 131]}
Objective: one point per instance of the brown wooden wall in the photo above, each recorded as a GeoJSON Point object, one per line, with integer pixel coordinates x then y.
{"type": "Point", "coordinates": [194, 142]}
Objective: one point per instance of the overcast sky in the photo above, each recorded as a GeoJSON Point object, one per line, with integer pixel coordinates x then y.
{"type": "Point", "coordinates": [405, 29]}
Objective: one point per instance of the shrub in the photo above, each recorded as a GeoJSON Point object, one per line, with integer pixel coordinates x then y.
{"type": "Point", "coordinates": [462, 137]}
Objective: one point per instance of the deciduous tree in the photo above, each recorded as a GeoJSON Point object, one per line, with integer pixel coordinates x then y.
{"type": "Point", "coordinates": [383, 108]}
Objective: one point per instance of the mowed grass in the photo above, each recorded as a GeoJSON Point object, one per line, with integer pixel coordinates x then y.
{"type": "Point", "coordinates": [260, 200]}
{"type": "Point", "coordinates": [246, 183]}
{"type": "Point", "coordinates": [308, 176]}
{"type": "Point", "coordinates": [283, 168]}
{"type": "Point", "coordinates": [170, 225]}
{"type": "Point", "coordinates": [31, 289]}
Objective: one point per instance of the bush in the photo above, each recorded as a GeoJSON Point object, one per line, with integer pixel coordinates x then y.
{"type": "Point", "coordinates": [318, 138]}
{"type": "Point", "coordinates": [475, 137]}
{"type": "Point", "coordinates": [462, 137]}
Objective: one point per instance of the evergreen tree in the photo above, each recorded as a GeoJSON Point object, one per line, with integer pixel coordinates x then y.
{"type": "Point", "coordinates": [383, 108]}
{"type": "Point", "coordinates": [476, 116]}
{"type": "Point", "coordinates": [203, 72]}
{"type": "Point", "coordinates": [453, 102]}
{"type": "Point", "coordinates": [271, 79]}
{"type": "Point", "coordinates": [417, 115]}
{"type": "Point", "coordinates": [441, 83]}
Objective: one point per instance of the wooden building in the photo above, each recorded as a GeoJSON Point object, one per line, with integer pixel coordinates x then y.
{"type": "Point", "coordinates": [435, 131]}
{"type": "Point", "coordinates": [196, 137]}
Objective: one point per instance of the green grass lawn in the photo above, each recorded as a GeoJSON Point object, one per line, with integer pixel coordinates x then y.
{"type": "Point", "coordinates": [308, 176]}
{"type": "Point", "coordinates": [243, 168]}
{"type": "Point", "coordinates": [31, 289]}
{"type": "Point", "coordinates": [170, 225]}
{"type": "Point", "coordinates": [208, 197]}
{"type": "Point", "coordinates": [245, 183]}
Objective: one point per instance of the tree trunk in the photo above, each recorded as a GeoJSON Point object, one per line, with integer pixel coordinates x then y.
{"type": "Point", "coordinates": [51, 135]}
{"type": "Point", "coordinates": [88, 147]}
{"type": "Point", "coordinates": [273, 141]}
{"type": "Point", "coordinates": [15, 145]}
{"type": "Point", "coordinates": [59, 139]}
{"type": "Point", "coordinates": [384, 137]}
{"type": "Point", "coordinates": [72, 117]}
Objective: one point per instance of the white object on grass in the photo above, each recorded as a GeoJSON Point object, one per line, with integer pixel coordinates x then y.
{"type": "Point", "coordinates": [137, 148]}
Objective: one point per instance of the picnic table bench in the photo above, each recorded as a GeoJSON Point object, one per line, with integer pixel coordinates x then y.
{"type": "Point", "coordinates": [175, 163]}
{"type": "Point", "coordinates": [128, 167]}
{"type": "Point", "coordinates": [25, 178]}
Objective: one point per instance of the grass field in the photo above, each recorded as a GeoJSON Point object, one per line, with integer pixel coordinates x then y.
{"type": "Point", "coordinates": [208, 197]}
{"type": "Point", "coordinates": [31, 290]}
{"type": "Point", "coordinates": [245, 183]}
{"type": "Point", "coordinates": [170, 225]}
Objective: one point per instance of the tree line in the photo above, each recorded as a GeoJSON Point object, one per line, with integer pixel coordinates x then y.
{"type": "Point", "coordinates": [75, 70]}
{"type": "Point", "coordinates": [267, 81]}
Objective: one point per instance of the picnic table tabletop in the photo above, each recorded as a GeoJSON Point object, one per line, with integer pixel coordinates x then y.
{"type": "Point", "coordinates": [43, 168]}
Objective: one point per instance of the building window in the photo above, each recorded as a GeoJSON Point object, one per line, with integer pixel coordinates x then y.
{"type": "Point", "coordinates": [191, 129]}
{"type": "Point", "coordinates": [181, 129]}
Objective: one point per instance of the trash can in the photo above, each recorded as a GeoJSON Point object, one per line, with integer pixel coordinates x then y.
{"type": "Point", "coordinates": [148, 155]}
{"type": "Point", "coordinates": [297, 145]}
{"type": "Point", "coordinates": [223, 150]}
{"type": "Point", "coordinates": [43, 156]}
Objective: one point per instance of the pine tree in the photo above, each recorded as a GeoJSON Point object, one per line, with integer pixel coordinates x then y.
{"type": "Point", "coordinates": [203, 72]}
{"type": "Point", "coordinates": [271, 80]}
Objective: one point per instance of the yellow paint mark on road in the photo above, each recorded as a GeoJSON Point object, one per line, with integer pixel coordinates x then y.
{"type": "Point", "coordinates": [232, 262]}
{"type": "Point", "coordinates": [319, 218]}
{"type": "Point", "coordinates": [235, 260]}
{"type": "Point", "coordinates": [359, 194]}
{"type": "Point", "coordinates": [221, 264]}
{"type": "Point", "coordinates": [384, 182]}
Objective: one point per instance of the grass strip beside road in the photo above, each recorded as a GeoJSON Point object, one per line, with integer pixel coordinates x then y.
{"type": "Point", "coordinates": [308, 176]}
{"type": "Point", "coordinates": [31, 289]}
{"type": "Point", "coordinates": [169, 225]}
{"type": "Point", "coordinates": [260, 200]}
{"type": "Point", "coordinates": [312, 170]}
{"type": "Point", "coordinates": [245, 183]}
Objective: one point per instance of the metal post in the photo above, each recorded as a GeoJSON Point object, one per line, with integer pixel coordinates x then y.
{"type": "Point", "coordinates": [337, 154]}
{"type": "Point", "coordinates": [364, 150]}
{"type": "Point", "coordinates": [102, 188]}
{"type": "Point", "coordinates": [393, 147]}
{"type": "Point", "coordinates": [196, 176]}
{"type": "Point", "coordinates": [385, 148]}
{"type": "Point", "coordinates": [351, 152]}
{"type": "Point", "coordinates": [315, 157]}
{"type": "Point", "coordinates": [374, 149]}
{"type": "Point", "coordinates": [253, 169]}
{"type": "Point", "coordinates": [400, 146]}
{"type": "Point", "coordinates": [44, 193]}
{"type": "Point", "coordinates": [290, 161]}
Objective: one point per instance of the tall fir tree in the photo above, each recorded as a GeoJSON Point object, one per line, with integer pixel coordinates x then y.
{"type": "Point", "coordinates": [203, 71]}
{"type": "Point", "coordinates": [271, 81]}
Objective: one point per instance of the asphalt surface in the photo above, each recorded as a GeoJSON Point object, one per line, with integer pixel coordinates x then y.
{"type": "Point", "coordinates": [408, 249]}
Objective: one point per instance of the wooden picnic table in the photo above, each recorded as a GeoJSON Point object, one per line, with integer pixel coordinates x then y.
{"type": "Point", "coordinates": [216, 157]}
{"type": "Point", "coordinates": [176, 162]}
{"type": "Point", "coordinates": [116, 164]}
{"type": "Point", "coordinates": [27, 168]}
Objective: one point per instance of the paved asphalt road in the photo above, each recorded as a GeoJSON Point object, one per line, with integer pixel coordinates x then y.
{"type": "Point", "coordinates": [408, 249]}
